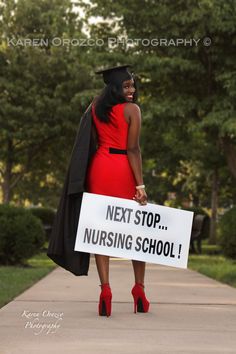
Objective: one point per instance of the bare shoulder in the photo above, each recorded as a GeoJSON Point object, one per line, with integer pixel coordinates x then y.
{"type": "Point", "coordinates": [132, 108]}
{"type": "Point", "coordinates": [131, 111]}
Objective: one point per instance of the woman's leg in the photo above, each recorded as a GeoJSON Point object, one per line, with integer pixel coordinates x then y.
{"type": "Point", "coordinates": [102, 263]}
{"type": "Point", "coordinates": [139, 271]}
{"type": "Point", "coordinates": [141, 303]}
{"type": "Point", "coordinates": [104, 307]}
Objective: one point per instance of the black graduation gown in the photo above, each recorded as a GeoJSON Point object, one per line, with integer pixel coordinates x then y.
{"type": "Point", "coordinates": [63, 235]}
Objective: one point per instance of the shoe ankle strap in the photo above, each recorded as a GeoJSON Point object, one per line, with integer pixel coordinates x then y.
{"type": "Point", "coordinates": [140, 284]}
{"type": "Point", "coordinates": [106, 285]}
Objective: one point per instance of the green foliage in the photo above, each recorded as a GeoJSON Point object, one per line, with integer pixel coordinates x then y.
{"type": "Point", "coordinates": [227, 233]}
{"type": "Point", "coordinates": [46, 215]}
{"type": "Point", "coordinates": [196, 210]}
{"type": "Point", "coordinates": [21, 235]}
{"type": "Point", "coordinates": [39, 96]}
{"type": "Point", "coordinates": [187, 93]}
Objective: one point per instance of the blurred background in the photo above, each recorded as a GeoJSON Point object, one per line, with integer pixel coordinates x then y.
{"type": "Point", "coordinates": [183, 54]}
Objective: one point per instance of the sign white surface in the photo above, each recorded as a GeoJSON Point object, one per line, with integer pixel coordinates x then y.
{"type": "Point", "coordinates": [122, 228]}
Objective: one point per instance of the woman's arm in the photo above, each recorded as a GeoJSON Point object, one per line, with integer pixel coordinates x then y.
{"type": "Point", "coordinates": [133, 115]}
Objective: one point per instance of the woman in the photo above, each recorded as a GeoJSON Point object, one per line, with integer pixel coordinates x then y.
{"type": "Point", "coordinates": [116, 167]}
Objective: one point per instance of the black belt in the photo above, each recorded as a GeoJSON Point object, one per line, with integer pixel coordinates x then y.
{"type": "Point", "coordinates": [117, 151]}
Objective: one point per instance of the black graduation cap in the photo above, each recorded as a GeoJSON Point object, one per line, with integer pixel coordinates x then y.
{"type": "Point", "coordinates": [116, 74]}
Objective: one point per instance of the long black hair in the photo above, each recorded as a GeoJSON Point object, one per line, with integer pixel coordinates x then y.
{"type": "Point", "coordinates": [111, 95]}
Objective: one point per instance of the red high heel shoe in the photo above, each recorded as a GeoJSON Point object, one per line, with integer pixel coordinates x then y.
{"type": "Point", "coordinates": [141, 304]}
{"type": "Point", "coordinates": [104, 307]}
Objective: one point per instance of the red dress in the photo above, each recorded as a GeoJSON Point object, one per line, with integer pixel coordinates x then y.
{"type": "Point", "coordinates": [111, 174]}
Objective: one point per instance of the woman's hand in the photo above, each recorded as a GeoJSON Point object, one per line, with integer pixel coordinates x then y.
{"type": "Point", "coordinates": [141, 196]}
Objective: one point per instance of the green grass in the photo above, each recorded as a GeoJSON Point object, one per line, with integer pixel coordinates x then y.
{"type": "Point", "coordinates": [210, 249]}
{"type": "Point", "coordinates": [15, 279]}
{"type": "Point", "coordinates": [214, 266]}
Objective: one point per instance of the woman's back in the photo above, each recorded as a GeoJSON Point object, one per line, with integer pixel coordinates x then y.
{"type": "Point", "coordinates": [115, 133]}
{"type": "Point", "coordinates": [109, 172]}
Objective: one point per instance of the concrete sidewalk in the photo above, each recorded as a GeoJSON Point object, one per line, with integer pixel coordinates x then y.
{"type": "Point", "coordinates": [189, 313]}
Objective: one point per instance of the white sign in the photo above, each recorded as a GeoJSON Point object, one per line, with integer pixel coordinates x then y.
{"type": "Point", "coordinates": [122, 228]}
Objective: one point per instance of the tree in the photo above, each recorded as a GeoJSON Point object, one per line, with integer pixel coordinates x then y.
{"type": "Point", "coordinates": [185, 88]}
{"type": "Point", "coordinates": [42, 89]}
